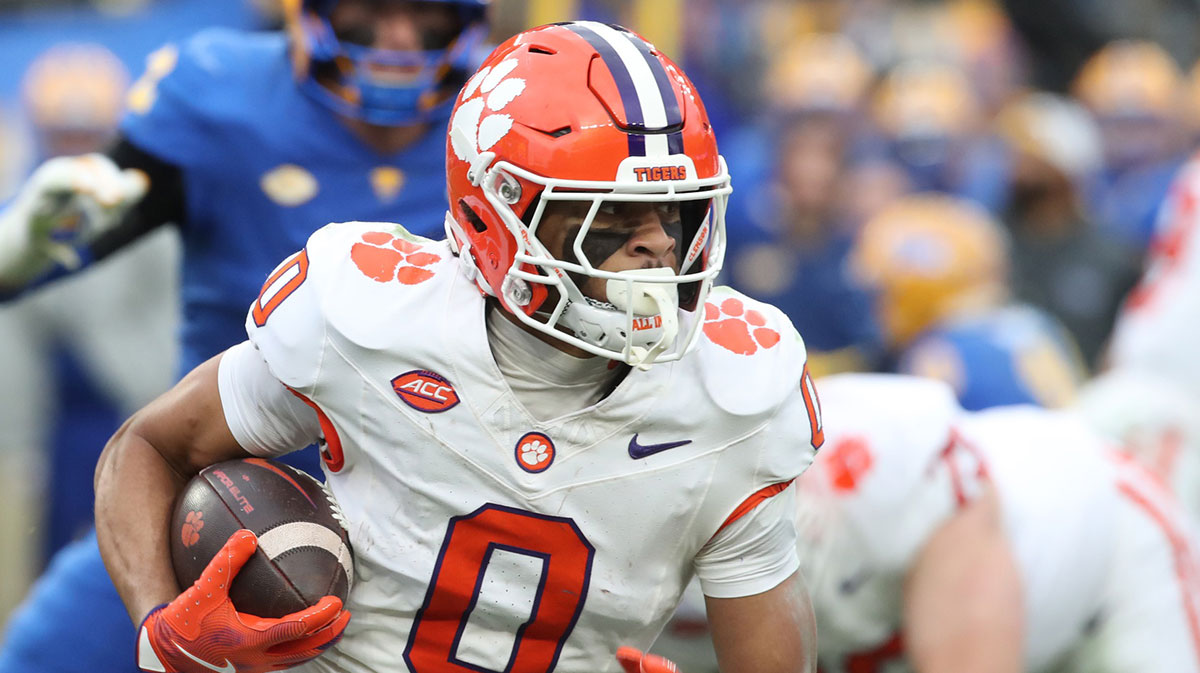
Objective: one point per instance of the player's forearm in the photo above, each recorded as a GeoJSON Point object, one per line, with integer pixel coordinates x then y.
{"type": "Point", "coordinates": [135, 492]}
{"type": "Point", "coordinates": [771, 632]}
{"type": "Point", "coordinates": [962, 602]}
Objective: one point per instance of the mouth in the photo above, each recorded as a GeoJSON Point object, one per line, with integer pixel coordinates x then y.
{"type": "Point", "coordinates": [393, 75]}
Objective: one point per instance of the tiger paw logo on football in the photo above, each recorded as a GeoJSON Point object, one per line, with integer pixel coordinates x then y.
{"type": "Point", "coordinates": [735, 328]}
{"type": "Point", "coordinates": [489, 91]}
{"type": "Point", "coordinates": [190, 531]}
{"type": "Point", "coordinates": [384, 258]}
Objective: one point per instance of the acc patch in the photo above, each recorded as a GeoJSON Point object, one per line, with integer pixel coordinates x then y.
{"type": "Point", "coordinates": [425, 391]}
{"type": "Point", "coordinates": [289, 185]}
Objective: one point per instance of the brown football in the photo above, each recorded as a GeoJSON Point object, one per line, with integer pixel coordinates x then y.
{"type": "Point", "coordinates": [303, 551]}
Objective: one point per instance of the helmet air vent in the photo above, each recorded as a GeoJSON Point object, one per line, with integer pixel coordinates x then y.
{"type": "Point", "coordinates": [472, 216]}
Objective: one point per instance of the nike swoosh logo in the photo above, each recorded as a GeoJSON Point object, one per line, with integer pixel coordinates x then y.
{"type": "Point", "coordinates": [227, 668]}
{"type": "Point", "coordinates": [639, 451]}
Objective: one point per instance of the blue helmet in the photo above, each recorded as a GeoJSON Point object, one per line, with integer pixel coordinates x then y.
{"type": "Point", "coordinates": [344, 67]}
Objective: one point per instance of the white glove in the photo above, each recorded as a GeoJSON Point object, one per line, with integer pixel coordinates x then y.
{"type": "Point", "coordinates": [66, 202]}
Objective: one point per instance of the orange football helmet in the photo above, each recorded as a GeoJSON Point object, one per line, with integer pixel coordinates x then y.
{"type": "Point", "coordinates": [589, 113]}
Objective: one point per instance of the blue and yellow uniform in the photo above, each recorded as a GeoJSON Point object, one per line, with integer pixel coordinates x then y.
{"type": "Point", "coordinates": [1012, 355]}
{"type": "Point", "coordinates": [937, 266]}
{"type": "Point", "coordinates": [809, 283]}
{"type": "Point", "coordinates": [261, 166]}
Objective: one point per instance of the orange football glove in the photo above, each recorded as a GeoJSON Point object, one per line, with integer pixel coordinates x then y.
{"type": "Point", "coordinates": [201, 632]}
{"type": "Point", "coordinates": [634, 660]}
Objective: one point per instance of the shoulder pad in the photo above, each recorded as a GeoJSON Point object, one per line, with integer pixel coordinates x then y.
{"type": "Point", "coordinates": [750, 356]}
{"type": "Point", "coordinates": [883, 433]}
{"type": "Point", "coordinates": [354, 282]}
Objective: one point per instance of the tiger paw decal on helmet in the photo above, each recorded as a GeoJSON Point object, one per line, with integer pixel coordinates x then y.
{"type": "Point", "coordinates": [732, 327]}
{"type": "Point", "coordinates": [492, 89]}
{"type": "Point", "coordinates": [383, 257]}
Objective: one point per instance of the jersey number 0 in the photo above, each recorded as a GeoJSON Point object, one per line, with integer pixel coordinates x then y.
{"type": "Point", "coordinates": [553, 543]}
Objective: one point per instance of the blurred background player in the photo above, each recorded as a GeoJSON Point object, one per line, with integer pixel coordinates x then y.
{"type": "Point", "coordinates": [248, 142]}
{"type": "Point", "coordinates": [1004, 540]}
{"type": "Point", "coordinates": [1136, 91]}
{"type": "Point", "coordinates": [1160, 320]}
{"type": "Point", "coordinates": [1150, 395]}
{"type": "Point", "coordinates": [929, 120]}
{"type": "Point", "coordinates": [1153, 419]}
{"type": "Point", "coordinates": [794, 229]}
{"type": "Point", "coordinates": [938, 269]}
{"type": "Point", "coordinates": [1061, 262]}
{"type": "Point", "coordinates": [92, 349]}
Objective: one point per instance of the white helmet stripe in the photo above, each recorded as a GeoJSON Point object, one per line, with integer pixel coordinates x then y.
{"type": "Point", "coordinates": [649, 96]}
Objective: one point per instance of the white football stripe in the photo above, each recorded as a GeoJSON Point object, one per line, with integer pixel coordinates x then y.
{"type": "Point", "coordinates": [282, 539]}
{"type": "Point", "coordinates": [656, 144]}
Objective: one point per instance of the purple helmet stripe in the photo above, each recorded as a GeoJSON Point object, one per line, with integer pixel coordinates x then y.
{"type": "Point", "coordinates": [674, 116]}
{"type": "Point", "coordinates": [675, 143]}
{"type": "Point", "coordinates": [620, 75]}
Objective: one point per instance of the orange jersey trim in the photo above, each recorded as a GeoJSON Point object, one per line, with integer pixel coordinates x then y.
{"type": "Point", "coordinates": [1185, 566]}
{"type": "Point", "coordinates": [332, 453]}
{"type": "Point", "coordinates": [755, 498]}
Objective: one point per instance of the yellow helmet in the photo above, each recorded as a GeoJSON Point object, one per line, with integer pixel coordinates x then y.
{"type": "Point", "coordinates": [927, 257]}
{"type": "Point", "coordinates": [1131, 78]}
{"type": "Point", "coordinates": [921, 98]}
{"type": "Point", "coordinates": [819, 72]}
{"type": "Point", "coordinates": [75, 87]}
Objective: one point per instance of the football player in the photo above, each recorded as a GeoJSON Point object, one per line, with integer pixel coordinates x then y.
{"type": "Point", "coordinates": [1161, 316]}
{"type": "Point", "coordinates": [938, 268]}
{"type": "Point", "coordinates": [1004, 540]}
{"type": "Point", "coordinates": [248, 142]}
{"type": "Point", "coordinates": [1153, 419]}
{"type": "Point", "coordinates": [1136, 91]}
{"type": "Point", "coordinates": [104, 319]}
{"type": "Point", "coordinates": [795, 229]}
{"type": "Point", "coordinates": [538, 429]}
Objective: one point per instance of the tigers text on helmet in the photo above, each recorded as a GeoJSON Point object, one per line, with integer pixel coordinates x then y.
{"type": "Point", "coordinates": [343, 69]}
{"type": "Point", "coordinates": [594, 115]}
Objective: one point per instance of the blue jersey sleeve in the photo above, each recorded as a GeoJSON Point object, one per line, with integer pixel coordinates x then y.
{"type": "Point", "coordinates": [180, 107]}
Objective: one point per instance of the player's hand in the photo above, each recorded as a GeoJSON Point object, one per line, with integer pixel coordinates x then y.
{"type": "Point", "coordinates": [634, 660]}
{"type": "Point", "coordinates": [200, 631]}
{"type": "Point", "coordinates": [66, 202]}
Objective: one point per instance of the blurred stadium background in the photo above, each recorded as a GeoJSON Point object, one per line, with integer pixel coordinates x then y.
{"type": "Point", "coordinates": [1051, 126]}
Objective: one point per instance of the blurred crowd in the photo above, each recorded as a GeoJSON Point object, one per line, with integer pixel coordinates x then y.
{"type": "Point", "coordinates": [917, 184]}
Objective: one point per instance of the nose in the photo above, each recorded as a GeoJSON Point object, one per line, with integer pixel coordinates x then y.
{"type": "Point", "coordinates": [651, 242]}
{"type": "Point", "coordinates": [397, 29]}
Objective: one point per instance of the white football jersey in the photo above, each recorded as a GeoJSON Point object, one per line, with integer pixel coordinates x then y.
{"type": "Point", "coordinates": [1159, 325]}
{"type": "Point", "coordinates": [483, 538]}
{"type": "Point", "coordinates": [900, 458]}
